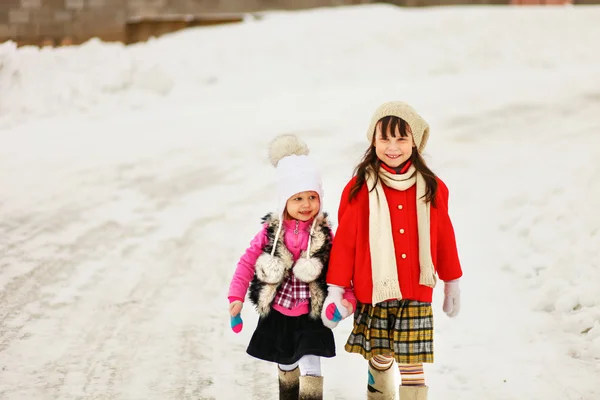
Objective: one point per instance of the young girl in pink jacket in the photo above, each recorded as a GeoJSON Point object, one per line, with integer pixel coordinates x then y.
{"type": "Point", "coordinates": [285, 269]}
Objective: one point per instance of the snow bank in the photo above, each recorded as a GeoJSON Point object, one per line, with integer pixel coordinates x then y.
{"type": "Point", "coordinates": [287, 50]}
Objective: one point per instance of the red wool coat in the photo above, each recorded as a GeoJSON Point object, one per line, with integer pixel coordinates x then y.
{"type": "Point", "coordinates": [350, 260]}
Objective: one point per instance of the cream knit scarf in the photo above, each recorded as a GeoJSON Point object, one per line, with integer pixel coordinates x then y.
{"type": "Point", "coordinates": [383, 255]}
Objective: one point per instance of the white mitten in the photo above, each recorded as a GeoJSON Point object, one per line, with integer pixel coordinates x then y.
{"type": "Point", "coordinates": [333, 309]}
{"type": "Point", "coordinates": [451, 298]}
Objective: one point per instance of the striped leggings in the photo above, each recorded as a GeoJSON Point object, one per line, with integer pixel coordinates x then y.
{"type": "Point", "coordinates": [411, 374]}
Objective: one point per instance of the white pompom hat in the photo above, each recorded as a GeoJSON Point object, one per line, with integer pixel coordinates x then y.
{"type": "Point", "coordinates": [296, 173]}
{"type": "Point", "coordinates": [295, 170]}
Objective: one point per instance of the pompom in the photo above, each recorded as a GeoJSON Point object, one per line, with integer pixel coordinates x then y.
{"type": "Point", "coordinates": [286, 145]}
{"type": "Point", "coordinates": [307, 270]}
{"type": "Point", "coordinates": [269, 269]}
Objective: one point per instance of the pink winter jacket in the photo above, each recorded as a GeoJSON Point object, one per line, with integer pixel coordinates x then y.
{"type": "Point", "coordinates": [296, 243]}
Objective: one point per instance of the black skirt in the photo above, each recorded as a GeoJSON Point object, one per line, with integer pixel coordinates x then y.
{"type": "Point", "coordinates": [284, 340]}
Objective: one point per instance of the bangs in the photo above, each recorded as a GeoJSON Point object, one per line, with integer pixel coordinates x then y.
{"type": "Point", "coordinates": [390, 124]}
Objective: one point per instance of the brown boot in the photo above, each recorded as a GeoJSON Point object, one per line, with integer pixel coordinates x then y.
{"type": "Point", "coordinates": [413, 392]}
{"type": "Point", "coordinates": [311, 388]}
{"type": "Point", "coordinates": [289, 384]}
{"type": "Point", "coordinates": [381, 384]}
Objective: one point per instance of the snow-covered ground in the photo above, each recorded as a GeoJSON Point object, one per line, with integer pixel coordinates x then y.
{"type": "Point", "coordinates": [133, 178]}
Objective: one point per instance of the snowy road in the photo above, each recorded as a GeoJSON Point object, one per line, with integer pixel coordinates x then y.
{"type": "Point", "coordinates": [119, 233]}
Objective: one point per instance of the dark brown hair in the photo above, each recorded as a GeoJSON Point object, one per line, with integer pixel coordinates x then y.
{"type": "Point", "coordinates": [371, 161]}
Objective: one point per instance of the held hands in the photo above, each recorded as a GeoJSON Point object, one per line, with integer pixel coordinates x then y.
{"type": "Point", "coordinates": [335, 307]}
{"type": "Point", "coordinates": [451, 298]}
{"type": "Point", "coordinates": [235, 308]}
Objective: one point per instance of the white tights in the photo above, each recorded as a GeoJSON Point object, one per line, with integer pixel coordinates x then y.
{"type": "Point", "coordinates": [309, 365]}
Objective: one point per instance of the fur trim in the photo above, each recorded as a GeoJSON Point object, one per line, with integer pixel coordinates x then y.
{"type": "Point", "coordinates": [265, 298]}
{"type": "Point", "coordinates": [263, 293]}
{"type": "Point", "coordinates": [284, 146]}
{"type": "Point", "coordinates": [289, 378]}
{"type": "Point", "coordinates": [317, 298]}
{"type": "Point", "coordinates": [307, 269]}
{"type": "Point", "coordinates": [311, 387]}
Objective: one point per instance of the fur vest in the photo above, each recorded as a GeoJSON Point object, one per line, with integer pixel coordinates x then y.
{"type": "Point", "coordinates": [271, 271]}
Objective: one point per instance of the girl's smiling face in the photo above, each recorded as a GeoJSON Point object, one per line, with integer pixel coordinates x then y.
{"type": "Point", "coordinates": [303, 206]}
{"type": "Point", "coordinates": [392, 145]}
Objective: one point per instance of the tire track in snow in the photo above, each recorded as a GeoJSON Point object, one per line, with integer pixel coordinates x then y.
{"type": "Point", "coordinates": [95, 349]}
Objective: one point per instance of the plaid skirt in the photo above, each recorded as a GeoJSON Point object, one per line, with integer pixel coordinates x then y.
{"type": "Point", "coordinates": [402, 328]}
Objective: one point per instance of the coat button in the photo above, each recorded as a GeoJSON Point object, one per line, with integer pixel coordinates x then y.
{"type": "Point", "coordinates": [403, 255]}
{"type": "Point", "coordinates": [399, 206]}
{"type": "Point", "coordinates": [401, 231]}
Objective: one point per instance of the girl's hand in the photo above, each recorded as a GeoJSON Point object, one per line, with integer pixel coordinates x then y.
{"type": "Point", "coordinates": [235, 307]}
{"type": "Point", "coordinates": [451, 298]}
{"type": "Point", "coordinates": [335, 307]}
{"type": "Point", "coordinates": [348, 306]}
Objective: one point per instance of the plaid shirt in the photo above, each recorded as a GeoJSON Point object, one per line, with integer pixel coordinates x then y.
{"type": "Point", "coordinates": [292, 292]}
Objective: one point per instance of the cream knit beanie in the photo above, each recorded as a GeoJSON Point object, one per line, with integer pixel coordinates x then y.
{"type": "Point", "coordinates": [418, 126]}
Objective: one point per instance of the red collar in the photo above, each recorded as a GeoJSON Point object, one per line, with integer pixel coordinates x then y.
{"type": "Point", "coordinates": [405, 168]}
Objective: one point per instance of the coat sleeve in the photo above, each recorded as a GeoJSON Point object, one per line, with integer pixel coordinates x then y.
{"type": "Point", "coordinates": [245, 267]}
{"type": "Point", "coordinates": [341, 261]}
{"type": "Point", "coordinates": [448, 264]}
{"type": "Point", "coordinates": [351, 297]}
{"type": "Point", "coordinates": [344, 199]}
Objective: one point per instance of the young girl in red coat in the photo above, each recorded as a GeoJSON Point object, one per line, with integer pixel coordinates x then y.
{"type": "Point", "coordinates": [394, 236]}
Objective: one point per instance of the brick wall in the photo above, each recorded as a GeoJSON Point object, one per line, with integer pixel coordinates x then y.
{"type": "Point", "coordinates": [33, 21]}
{"type": "Point", "coordinates": [56, 21]}
{"type": "Point", "coordinates": [74, 21]}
